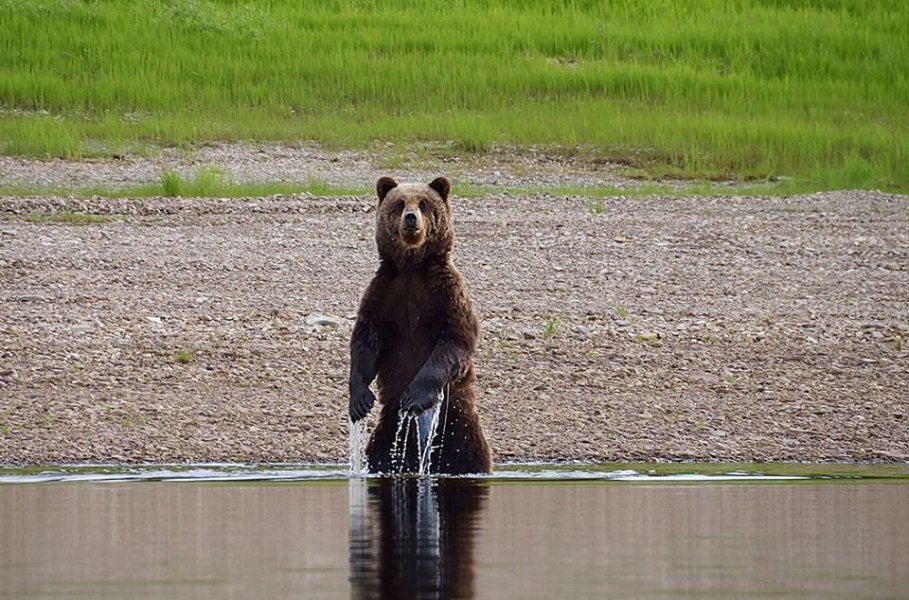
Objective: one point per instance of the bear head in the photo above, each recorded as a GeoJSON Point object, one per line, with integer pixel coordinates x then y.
{"type": "Point", "coordinates": [413, 221]}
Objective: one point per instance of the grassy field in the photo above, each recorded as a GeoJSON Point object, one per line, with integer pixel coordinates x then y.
{"type": "Point", "coordinates": [811, 91]}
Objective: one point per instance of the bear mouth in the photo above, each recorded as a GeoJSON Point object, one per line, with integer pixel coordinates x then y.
{"type": "Point", "coordinates": [412, 235]}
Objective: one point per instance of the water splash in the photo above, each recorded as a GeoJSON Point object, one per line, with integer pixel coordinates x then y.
{"type": "Point", "coordinates": [430, 434]}
{"type": "Point", "coordinates": [426, 426]}
{"type": "Point", "coordinates": [399, 448]}
{"type": "Point", "coordinates": [356, 446]}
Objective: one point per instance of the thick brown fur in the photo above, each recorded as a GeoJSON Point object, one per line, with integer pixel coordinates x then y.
{"type": "Point", "coordinates": [416, 334]}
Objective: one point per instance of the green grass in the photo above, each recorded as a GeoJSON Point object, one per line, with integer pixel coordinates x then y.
{"type": "Point", "coordinates": [650, 339]}
{"type": "Point", "coordinates": [171, 184]}
{"type": "Point", "coordinates": [752, 89]}
{"type": "Point", "coordinates": [72, 218]}
{"type": "Point", "coordinates": [595, 205]}
{"type": "Point", "coordinates": [552, 327]}
{"type": "Point", "coordinates": [206, 183]}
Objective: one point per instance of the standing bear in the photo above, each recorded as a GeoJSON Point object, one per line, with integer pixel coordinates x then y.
{"type": "Point", "coordinates": [416, 334]}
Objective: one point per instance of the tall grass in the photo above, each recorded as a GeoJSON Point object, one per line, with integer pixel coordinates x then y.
{"type": "Point", "coordinates": [753, 89]}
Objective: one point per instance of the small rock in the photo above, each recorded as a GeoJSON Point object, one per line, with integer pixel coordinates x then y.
{"type": "Point", "coordinates": [705, 378]}
{"type": "Point", "coordinates": [320, 320]}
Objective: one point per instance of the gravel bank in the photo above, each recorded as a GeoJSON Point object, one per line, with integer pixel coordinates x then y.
{"type": "Point", "coordinates": [269, 163]}
{"type": "Point", "coordinates": [756, 329]}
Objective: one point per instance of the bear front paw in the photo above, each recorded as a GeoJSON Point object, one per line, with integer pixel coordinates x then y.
{"type": "Point", "coordinates": [417, 400]}
{"type": "Point", "coordinates": [361, 400]}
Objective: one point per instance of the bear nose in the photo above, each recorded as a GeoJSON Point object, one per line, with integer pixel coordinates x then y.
{"type": "Point", "coordinates": [410, 220]}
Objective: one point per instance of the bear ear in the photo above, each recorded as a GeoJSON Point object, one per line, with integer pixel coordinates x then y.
{"type": "Point", "coordinates": [385, 185]}
{"type": "Point", "coordinates": [442, 186]}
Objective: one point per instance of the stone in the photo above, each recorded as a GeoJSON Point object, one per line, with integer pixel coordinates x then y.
{"type": "Point", "coordinates": [320, 320]}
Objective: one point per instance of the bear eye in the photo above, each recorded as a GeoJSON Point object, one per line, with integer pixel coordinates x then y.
{"type": "Point", "coordinates": [399, 206]}
{"type": "Point", "coordinates": [422, 205]}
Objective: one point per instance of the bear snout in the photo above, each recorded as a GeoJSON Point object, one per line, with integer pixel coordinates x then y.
{"type": "Point", "coordinates": [412, 231]}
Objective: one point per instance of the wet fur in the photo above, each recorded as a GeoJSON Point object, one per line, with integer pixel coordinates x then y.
{"type": "Point", "coordinates": [416, 334]}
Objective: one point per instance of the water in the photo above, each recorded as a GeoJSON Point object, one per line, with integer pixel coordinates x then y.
{"type": "Point", "coordinates": [356, 444]}
{"type": "Point", "coordinates": [578, 531]}
{"type": "Point", "coordinates": [422, 427]}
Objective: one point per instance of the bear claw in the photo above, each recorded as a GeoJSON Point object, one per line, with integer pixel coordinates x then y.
{"type": "Point", "coordinates": [360, 403]}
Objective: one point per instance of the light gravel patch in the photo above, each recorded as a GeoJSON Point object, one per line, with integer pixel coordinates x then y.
{"type": "Point", "coordinates": [244, 163]}
{"type": "Point", "coordinates": [722, 329]}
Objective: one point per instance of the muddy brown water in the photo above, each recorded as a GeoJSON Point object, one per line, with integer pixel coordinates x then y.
{"type": "Point", "coordinates": [520, 534]}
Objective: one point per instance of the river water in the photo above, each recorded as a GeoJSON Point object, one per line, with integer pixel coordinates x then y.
{"type": "Point", "coordinates": [565, 532]}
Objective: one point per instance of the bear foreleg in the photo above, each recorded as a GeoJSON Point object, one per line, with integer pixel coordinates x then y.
{"type": "Point", "coordinates": [364, 354]}
{"type": "Point", "coordinates": [447, 360]}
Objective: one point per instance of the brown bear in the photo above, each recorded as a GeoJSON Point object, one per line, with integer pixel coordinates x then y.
{"type": "Point", "coordinates": [416, 334]}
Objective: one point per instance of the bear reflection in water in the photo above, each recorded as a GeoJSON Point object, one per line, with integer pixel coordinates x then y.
{"type": "Point", "coordinates": [413, 537]}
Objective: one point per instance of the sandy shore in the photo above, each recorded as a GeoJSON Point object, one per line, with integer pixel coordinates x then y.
{"type": "Point", "coordinates": [755, 329]}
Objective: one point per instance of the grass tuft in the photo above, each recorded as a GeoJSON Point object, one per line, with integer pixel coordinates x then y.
{"type": "Point", "coordinates": [72, 218]}
{"type": "Point", "coordinates": [171, 184]}
{"type": "Point", "coordinates": [552, 327]}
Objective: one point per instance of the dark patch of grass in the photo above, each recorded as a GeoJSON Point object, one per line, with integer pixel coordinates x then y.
{"type": "Point", "coordinates": [71, 218]}
{"type": "Point", "coordinates": [207, 186]}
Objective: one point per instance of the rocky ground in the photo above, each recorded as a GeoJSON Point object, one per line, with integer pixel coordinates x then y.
{"type": "Point", "coordinates": [756, 329]}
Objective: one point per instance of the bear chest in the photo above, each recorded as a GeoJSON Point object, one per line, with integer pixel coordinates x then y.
{"type": "Point", "coordinates": [413, 319]}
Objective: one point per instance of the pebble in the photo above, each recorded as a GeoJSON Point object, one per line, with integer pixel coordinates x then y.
{"type": "Point", "coordinates": [321, 320]}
